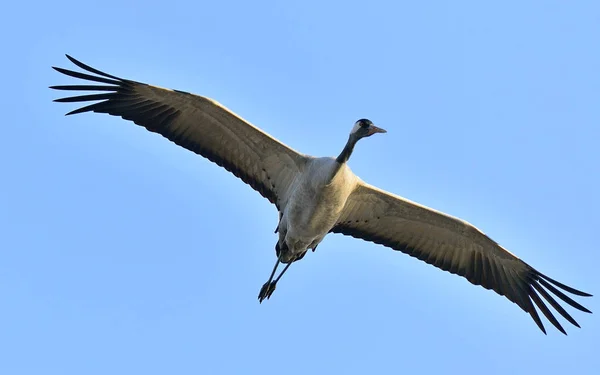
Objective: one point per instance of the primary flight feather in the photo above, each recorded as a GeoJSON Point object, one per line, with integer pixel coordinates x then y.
{"type": "Point", "coordinates": [316, 196]}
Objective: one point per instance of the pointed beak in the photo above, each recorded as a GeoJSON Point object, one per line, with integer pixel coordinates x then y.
{"type": "Point", "coordinates": [374, 129]}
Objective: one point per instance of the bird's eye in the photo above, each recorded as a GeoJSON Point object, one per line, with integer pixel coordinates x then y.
{"type": "Point", "coordinates": [363, 123]}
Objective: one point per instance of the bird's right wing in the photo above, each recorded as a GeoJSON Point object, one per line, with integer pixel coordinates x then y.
{"type": "Point", "coordinates": [196, 123]}
{"type": "Point", "coordinates": [454, 246]}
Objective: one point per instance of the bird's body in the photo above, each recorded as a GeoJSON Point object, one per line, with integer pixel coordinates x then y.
{"type": "Point", "coordinates": [316, 201]}
{"type": "Point", "coordinates": [317, 196]}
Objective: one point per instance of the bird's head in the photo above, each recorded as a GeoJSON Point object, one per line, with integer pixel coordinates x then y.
{"type": "Point", "coordinates": [362, 128]}
{"type": "Point", "coordinates": [365, 128]}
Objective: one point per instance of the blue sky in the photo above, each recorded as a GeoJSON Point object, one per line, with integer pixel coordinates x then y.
{"type": "Point", "coordinates": [125, 254]}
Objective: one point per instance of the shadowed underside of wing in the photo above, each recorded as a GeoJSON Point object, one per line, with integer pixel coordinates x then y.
{"type": "Point", "coordinates": [196, 123]}
{"type": "Point", "coordinates": [212, 131]}
{"type": "Point", "coordinates": [455, 246]}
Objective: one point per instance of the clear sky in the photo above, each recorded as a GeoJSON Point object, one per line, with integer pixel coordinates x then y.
{"type": "Point", "coordinates": [124, 254]}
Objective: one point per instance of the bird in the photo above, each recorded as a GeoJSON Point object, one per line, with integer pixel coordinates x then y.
{"type": "Point", "coordinates": [315, 196]}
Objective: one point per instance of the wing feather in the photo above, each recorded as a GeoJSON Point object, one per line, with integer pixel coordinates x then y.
{"type": "Point", "coordinates": [196, 123]}
{"type": "Point", "coordinates": [455, 246]}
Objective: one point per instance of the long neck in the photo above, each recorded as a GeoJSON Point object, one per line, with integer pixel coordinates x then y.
{"type": "Point", "coordinates": [347, 151]}
{"type": "Point", "coordinates": [345, 154]}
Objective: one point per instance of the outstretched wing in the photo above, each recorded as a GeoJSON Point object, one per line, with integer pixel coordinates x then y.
{"type": "Point", "coordinates": [454, 246]}
{"type": "Point", "coordinates": [196, 123]}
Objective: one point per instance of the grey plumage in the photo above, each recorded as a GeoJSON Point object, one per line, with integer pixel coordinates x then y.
{"type": "Point", "coordinates": [317, 196]}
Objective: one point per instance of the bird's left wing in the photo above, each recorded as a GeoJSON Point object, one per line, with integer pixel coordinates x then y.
{"type": "Point", "coordinates": [453, 245]}
{"type": "Point", "coordinates": [196, 123]}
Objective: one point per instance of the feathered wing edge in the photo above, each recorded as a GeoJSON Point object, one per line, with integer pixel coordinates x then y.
{"type": "Point", "coordinates": [522, 290]}
{"type": "Point", "coordinates": [536, 280]}
{"type": "Point", "coordinates": [116, 86]}
{"type": "Point", "coordinates": [129, 100]}
{"type": "Point", "coordinates": [541, 283]}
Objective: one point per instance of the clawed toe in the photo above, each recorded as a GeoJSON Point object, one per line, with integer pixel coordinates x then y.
{"type": "Point", "coordinates": [265, 292]}
{"type": "Point", "coordinates": [271, 289]}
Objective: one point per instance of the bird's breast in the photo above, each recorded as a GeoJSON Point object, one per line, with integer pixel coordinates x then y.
{"type": "Point", "coordinates": [318, 200]}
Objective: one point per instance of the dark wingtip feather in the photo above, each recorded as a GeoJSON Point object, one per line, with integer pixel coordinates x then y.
{"type": "Point", "coordinates": [544, 309]}
{"type": "Point", "coordinates": [86, 98]}
{"type": "Point", "coordinates": [90, 69]}
{"type": "Point", "coordinates": [527, 305]}
{"type": "Point", "coordinates": [563, 296]}
{"type": "Point", "coordinates": [73, 112]}
{"type": "Point", "coordinates": [85, 87]}
{"type": "Point", "coordinates": [563, 286]}
{"type": "Point", "coordinates": [89, 77]}
{"type": "Point", "coordinates": [538, 321]}
{"type": "Point", "coordinates": [87, 108]}
{"type": "Point", "coordinates": [554, 304]}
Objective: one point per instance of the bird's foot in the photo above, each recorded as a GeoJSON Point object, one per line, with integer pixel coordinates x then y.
{"type": "Point", "coordinates": [266, 291]}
